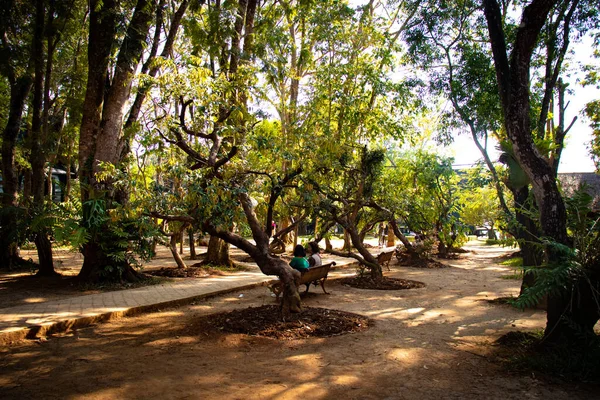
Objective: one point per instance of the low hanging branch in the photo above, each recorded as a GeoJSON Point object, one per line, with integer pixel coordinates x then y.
{"type": "Point", "coordinates": [349, 254]}
{"type": "Point", "coordinates": [277, 244]}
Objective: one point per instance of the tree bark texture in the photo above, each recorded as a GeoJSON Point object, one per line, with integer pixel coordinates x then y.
{"type": "Point", "coordinates": [564, 310]}
{"type": "Point", "coordinates": [268, 264]}
{"type": "Point", "coordinates": [9, 250]}
{"type": "Point", "coordinates": [102, 119]}
{"type": "Point", "coordinates": [38, 144]}
{"type": "Point", "coordinates": [218, 253]}
{"type": "Point", "coordinates": [173, 247]}
{"type": "Point", "coordinates": [192, 241]}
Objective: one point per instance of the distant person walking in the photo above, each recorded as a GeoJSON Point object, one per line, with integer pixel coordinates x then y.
{"type": "Point", "coordinates": [382, 234]}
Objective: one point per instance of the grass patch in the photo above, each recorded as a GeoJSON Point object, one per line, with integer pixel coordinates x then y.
{"type": "Point", "coordinates": [224, 268]}
{"type": "Point", "coordinates": [518, 276]}
{"type": "Point", "coordinates": [513, 262]}
{"type": "Point", "coordinates": [525, 352]}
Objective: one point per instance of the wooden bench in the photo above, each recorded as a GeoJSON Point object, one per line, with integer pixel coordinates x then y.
{"type": "Point", "coordinates": [314, 275]}
{"type": "Point", "coordinates": [384, 259]}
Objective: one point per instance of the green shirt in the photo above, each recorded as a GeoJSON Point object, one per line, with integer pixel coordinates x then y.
{"type": "Point", "coordinates": [299, 263]}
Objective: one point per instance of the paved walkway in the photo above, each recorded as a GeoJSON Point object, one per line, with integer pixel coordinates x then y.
{"type": "Point", "coordinates": [38, 319]}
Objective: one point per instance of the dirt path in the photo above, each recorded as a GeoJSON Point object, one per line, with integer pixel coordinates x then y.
{"type": "Point", "coordinates": [428, 343]}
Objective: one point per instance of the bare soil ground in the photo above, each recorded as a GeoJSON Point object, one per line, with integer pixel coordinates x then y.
{"type": "Point", "coordinates": [434, 342]}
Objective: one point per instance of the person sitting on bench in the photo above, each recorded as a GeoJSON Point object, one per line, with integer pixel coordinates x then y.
{"type": "Point", "coordinates": [315, 258]}
{"type": "Point", "coordinates": [299, 261]}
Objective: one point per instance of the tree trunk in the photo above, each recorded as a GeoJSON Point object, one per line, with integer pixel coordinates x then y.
{"type": "Point", "coordinates": [374, 268]}
{"type": "Point", "coordinates": [218, 253]}
{"type": "Point", "coordinates": [442, 249]}
{"type": "Point", "coordinates": [567, 315]}
{"type": "Point", "coordinates": [295, 236]}
{"type": "Point", "coordinates": [173, 247]}
{"type": "Point", "coordinates": [67, 194]}
{"type": "Point", "coordinates": [193, 255]}
{"type": "Point", "coordinates": [527, 234]}
{"type": "Point", "coordinates": [347, 241]}
{"type": "Point", "coordinates": [9, 247]}
{"type": "Point", "coordinates": [99, 267]}
{"type": "Point", "coordinates": [410, 249]}
{"type": "Point", "coordinates": [286, 237]}
{"type": "Point", "coordinates": [44, 250]}
{"type": "Point", "coordinates": [102, 119]}
{"type": "Point", "coordinates": [259, 251]}
{"type": "Point", "coordinates": [180, 238]}
{"type": "Point", "coordinates": [38, 142]}
{"type": "Point", "coordinates": [391, 241]}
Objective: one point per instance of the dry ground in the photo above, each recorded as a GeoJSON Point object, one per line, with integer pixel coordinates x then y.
{"type": "Point", "coordinates": [429, 343]}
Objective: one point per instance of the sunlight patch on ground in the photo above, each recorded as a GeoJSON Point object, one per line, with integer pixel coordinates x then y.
{"type": "Point", "coordinates": [345, 380]}
{"type": "Point", "coordinates": [170, 314]}
{"type": "Point", "coordinates": [433, 316]}
{"type": "Point", "coordinates": [407, 357]}
{"type": "Point", "coordinates": [35, 300]}
{"type": "Point", "coordinates": [467, 301]}
{"type": "Point", "coordinates": [397, 313]}
{"type": "Point", "coordinates": [495, 268]}
{"type": "Point", "coordinates": [306, 391]}
{"type": "Point", "coordinates": [305, 361]}
{"type": "Point", "coordinates": [109, 393]}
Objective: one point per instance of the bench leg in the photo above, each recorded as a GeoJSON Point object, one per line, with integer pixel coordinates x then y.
{"type": "Point", "coordinates": [323, 285]}
{"type": "Point", "coordinates": [307, 287]}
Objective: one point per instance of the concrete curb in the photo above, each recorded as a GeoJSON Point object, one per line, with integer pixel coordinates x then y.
{"type": "Point", "coordinates": [37, 331]}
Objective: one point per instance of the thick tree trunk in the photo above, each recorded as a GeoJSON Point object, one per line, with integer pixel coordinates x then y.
{"type": "Point", "coordinates": [102, 119]}
{"type": "Point", "coordinates": [287, 237]}
{"type": "Point", "coordinates": [347, 241]}
{"type": "Point", "coordinates": [295, 243]}
{"type": "Point", "coordinates": [391, 239]}
{"type": "Point", "coordinates": [9, 250]}
{"type": "Point", "coordinates": [99, 267]}
{"type": "Point", "coordinates": [375, 269]}
{"type": "Point", "coordinates": [259, 252]}
{"type": "Point", "coordinates": [527, 234]}
{"type": "Point", "coordinates": [442, 248]}
{"type": "Point", "coordinates": [38, 148]}
{"type": "Point", "coordinates": [567, 314]}
{"type": "Point", "coordinates": [44, 250]}
{"type": "Point", "coordinates": [218, 253]}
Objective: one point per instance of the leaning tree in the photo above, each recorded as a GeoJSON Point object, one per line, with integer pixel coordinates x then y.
{"type": "Point", "coordinates": [572, 306]}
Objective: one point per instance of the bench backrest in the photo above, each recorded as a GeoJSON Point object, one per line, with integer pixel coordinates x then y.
{"type": "Point", "coordinates": [314, 273]}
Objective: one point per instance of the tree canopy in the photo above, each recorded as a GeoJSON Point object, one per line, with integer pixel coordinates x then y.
{"type": "Point", "coordinates": [221, 116]}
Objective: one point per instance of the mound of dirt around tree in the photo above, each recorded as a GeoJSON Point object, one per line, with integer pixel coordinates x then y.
{"type": "Point", "coordinates": [189, 272]}
{"type": "Point", "coordinates": [366, 282]}
{"type": "Point", "coordinates": [266, 321]}
{"type": "Point", "coordinates": [405, 260]}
